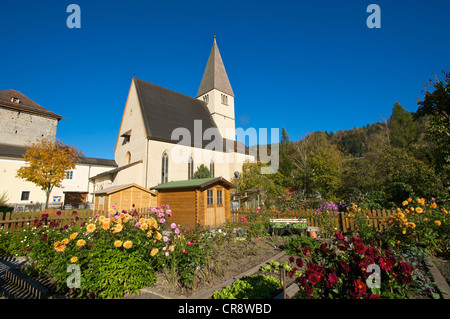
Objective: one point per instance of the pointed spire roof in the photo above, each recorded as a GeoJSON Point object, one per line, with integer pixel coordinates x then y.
{"type": "Point", "coordinates": [215, 76]}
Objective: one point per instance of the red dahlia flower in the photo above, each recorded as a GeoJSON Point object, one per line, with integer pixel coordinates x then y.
{"type": "Point", "coordinates": [313, 278]}
{"type": "Point", "coordinates": [299, 262]}
{"type": "Point", "coordinates": [339, 236]}
{"type": "Point", "coordinates": [358, 289]}
{"type": "Point", "coordinates": [360, 248]}
{"type": "Point", "coordinates": [307, 251]}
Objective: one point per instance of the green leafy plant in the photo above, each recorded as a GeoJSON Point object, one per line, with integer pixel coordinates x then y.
{"type": "Point", "coordinates": [250, 287]}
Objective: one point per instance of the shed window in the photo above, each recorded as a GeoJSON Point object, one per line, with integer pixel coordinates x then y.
{"type": "Point", "coordinates": [210, 197]}
{"type": "Point", "coordinates": [164, 168]}
{"type": "Point", "coordinates": [219, 198]}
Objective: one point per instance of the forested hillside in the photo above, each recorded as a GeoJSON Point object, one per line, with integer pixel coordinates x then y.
{"type": "Point", "coordinates": [378, 166]}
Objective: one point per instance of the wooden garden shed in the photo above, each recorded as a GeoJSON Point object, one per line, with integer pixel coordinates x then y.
{"type": "Point", "coordinates": [205, 201]}
{"type": "Point", "coordinates": [124, 197]}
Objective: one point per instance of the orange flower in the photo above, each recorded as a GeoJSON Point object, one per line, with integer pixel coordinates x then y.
{"type": "Point", "coordinates": [127, 244]}
{"type": "Point", "coordinates": [73, 260]}
{"type": "Point", "coordinates": [434, 205]}
{"type": "Point", "coordinates": [60, 248]}
{"type": "Point", "coordinates": [437, 222]}
{"type": "Point", "coordinates": [73, 236]}
{"type": "Point", "coordinates": [118, 243]}
{"type": "Point", "coordinates": [81, 242]}
{"type": "Point", "coordinates": [154, 252]}
{"type": "Point", "coordinates": [90, 228]}
{"type": "Point", "coordinates": [419, 210]}
{"type": "Point", "coordinates": [65, 241]}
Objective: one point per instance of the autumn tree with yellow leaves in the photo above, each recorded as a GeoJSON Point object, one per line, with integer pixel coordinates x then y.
{"type": "Point", "coordinates": [48, 161]}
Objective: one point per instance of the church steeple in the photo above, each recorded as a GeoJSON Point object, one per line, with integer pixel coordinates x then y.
{"type": "Point", "coordinates": [215, 76]}
{"type": "Point", "coordinates": [215, 90]}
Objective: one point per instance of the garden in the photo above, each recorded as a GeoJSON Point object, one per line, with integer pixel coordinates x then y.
{"type": "Point", "coordinates": [119, 253]}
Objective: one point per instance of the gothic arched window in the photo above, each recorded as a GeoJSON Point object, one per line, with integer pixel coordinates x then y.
{"type": "Point", "coordinates": [190, 168]}
{"type": "Point", "coordinates": [164, 168]}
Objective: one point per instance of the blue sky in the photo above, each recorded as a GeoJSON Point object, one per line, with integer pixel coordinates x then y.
{"type": "Point", "coordinates": [304, 65]}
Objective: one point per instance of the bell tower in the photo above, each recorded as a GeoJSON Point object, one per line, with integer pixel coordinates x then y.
{"type": "Point", "coordinates": [215, 90]}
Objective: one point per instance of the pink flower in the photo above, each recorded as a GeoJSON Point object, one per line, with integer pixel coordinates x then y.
{"type": "Point", "coordinates": [189, 243]}
{"type": "Point", "coordinates": [173, 225]}
{"type": "Point", "coordinates": [138, 224]}
{"type": "Point", "coordinates": [162, 220]}
{"type": "Point", "coordinates": [167, 254]}
{"type": "Point", "coordinates": [177, 231]}
{"type": "Point", "coordinates": [184, 250]}
{"type": "Point", "coordinates": [271, 238]}
{"type": "Point", "coordinates": [165, 239]}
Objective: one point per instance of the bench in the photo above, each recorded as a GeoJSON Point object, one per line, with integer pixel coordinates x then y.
{"type": "Point", "coordinates": [299, 223]}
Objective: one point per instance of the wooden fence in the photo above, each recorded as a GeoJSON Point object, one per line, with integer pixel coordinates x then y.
{"type": "Point", "coordinates": [14, 220]}
{"type": "Point", "coordinates": [344, 222]}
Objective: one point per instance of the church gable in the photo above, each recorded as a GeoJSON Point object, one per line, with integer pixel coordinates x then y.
{"type": "Point", "coordinates": [132, 137]}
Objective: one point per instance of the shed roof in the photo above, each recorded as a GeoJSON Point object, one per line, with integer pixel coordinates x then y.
{"type": "Point", "coordinates": [201, 183]}
{"type": "Point", "coordinates": [117, 188]}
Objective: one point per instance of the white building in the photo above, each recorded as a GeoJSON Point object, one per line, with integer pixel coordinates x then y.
{"type": "Point", "coordinates": [23, 120]}
{"type": "Point", "coordinates": [165, 135]}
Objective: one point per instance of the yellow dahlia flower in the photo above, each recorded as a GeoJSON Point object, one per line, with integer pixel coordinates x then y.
{"type": "Point", "coordinates": [90, 228]}
{"type": "Point", "coordinates": [127, 244]}
{"type": "Point", "coordinates": [154, 252]}
{"type": "Point", "coordinates": [81, 242]}
{"type": "Point", "coordinates": [73, 236]}
{"type": "Point", "coordinates": [118, 243]}
{"type": "Point", "coordinates": [73, 260]}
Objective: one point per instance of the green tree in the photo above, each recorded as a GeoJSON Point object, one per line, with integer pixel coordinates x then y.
{"type": "Point", "coordinates": [402, 175]}
{"type": "Point", "coordinates": [402, 128]}
{"type": "Point", "coordinates": [270, 185]}
{"type": "Point", "coordinates": [201, 172]}
{"type": "Point", "coordinates": [435, 107]}
{"type": "Point", "coordinates": [285, 164]}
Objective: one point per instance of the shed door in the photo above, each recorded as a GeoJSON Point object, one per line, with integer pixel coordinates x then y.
{"type": "Point", "coordinates": [215, 207]}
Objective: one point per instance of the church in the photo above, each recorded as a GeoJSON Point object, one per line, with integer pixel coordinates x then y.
{"type": "Point", "coordinates": [165, 136]}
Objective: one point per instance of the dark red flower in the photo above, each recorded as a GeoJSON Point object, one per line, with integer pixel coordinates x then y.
{"type": "Point", "coordinates": [74, 212]}
{"type": "Point", "coordinates": [407, 279]}
{"type": "Point", "coordinates": [299, 262]}
{"type": "Point", "coordinates": [331, 280]}
{"type": "Point", "coordinates": [323, 248]}
{"type": "Point", "coordinates": [344, 266]}
{"type": "Point", "coordinates": [58, 212]}
{"type": "Point", "coordinates": [386, 263]}
{"type": "Point", "coordinates": [291, 259]}
{"type": "Point", "coordinates": [374, 296]}
{"type": "Point", "coordinates": [339, 236]}
{"type": "Point", "coordinates": [309, 291]}
{"type": "Point", "coordinates": [313, 278]}
{"type": "Point", "coordinates": [307, 251]}
{"type": "Point", "coordinates": [373, 252]}
{"type": "Point", "coordinates": [360, 248]}
{"type": "Point", "coordinates": [342, 245]}
{"type": "Point", "coordinates": [358, 289]}
{"type": "Point", "coordinates": [406, 267]}
{"type": "Point", "coordinates": [355, 240]}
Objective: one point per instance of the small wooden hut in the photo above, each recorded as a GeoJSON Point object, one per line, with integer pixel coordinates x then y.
{"type": "Point", "coordinates": [205, 201]}
{"type": "Point", "coordinates": [124, 197]}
